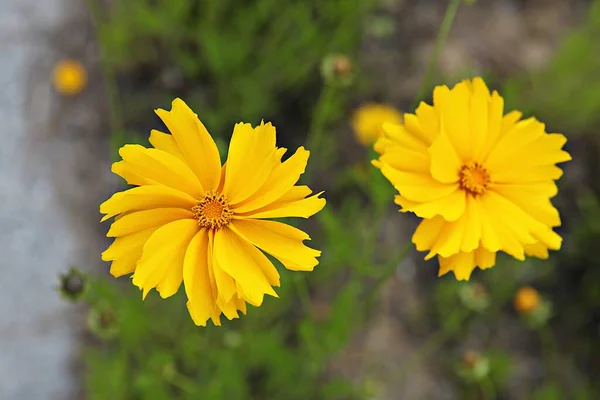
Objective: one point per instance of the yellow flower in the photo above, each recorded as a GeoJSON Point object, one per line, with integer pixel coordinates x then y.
{"type": "Point", "coordinates": [69, 77]}
{"type": "Point", "coordinates": [368, 121]}
{"type": "Point", "coordinates": [526, 300]}
{"type": "Point", "coordinates": [195, 221]}
{"type": "Point", "coordinates": [481, 180]}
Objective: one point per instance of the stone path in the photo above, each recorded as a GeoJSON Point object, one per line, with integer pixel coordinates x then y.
{"type": "Point", "coordinates": [52, 177]}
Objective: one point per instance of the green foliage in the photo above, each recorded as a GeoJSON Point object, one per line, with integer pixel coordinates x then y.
{"type": "Point", "coordinates": [234, 61]}
{"type": "Point", "coordinates": [564, 93]}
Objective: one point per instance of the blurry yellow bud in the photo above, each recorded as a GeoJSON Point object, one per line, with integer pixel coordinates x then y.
{"type": "Point", "coordinates": [527, 300]}
{"type": "Point", "coordinates": [368, 120]}
{"type": "Point", "coordinates": [338, 70]}
{"type": "Point", "coordinates": [69, 77]}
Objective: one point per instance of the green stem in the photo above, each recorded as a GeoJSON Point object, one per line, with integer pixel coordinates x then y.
{"type": "Point", "coordinates": [110, 83]}
{"type": "Point", "coordinates": [439, 45]}
{"type": "Point", "coordinates": [320, 119]}
{"type": "Point", "coordinates": [303, 293]}
{"type": "Point", "coordinates": [487, 389]}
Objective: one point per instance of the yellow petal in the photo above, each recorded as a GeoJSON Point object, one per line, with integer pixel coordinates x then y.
{"type": "Point", "coordinates": [251, 159]}
{"type": "Point", "coordinates": [400, 136]}
{"type": "Point", "coordinates": [450, 207]}
{"type": "Point", "coordinates": [538, 250]}
{"type": "Point", "coordinates": [282, 178]}
{"type": "Point", "coordinates": [124, 171]}
{"type": "Point", "coordinates": [242, 261]}
{"type": "Point", "coordinates": [427, 232]}
{"type": "Point", "coordinates": [224, 283]}
{"type": "Point", "coordinates": [194, 142]}
{"type": "Point", "coordinates": [464, 263]}
{"type": "Point", "coordinates": [406, 160]}
{"type": "Point", "coordinates": [445, 163]}
{"type": "Point", "coordinates": [126, 264]}
{"type": "Point", "coordinates": [413, 125]}
{"type": "Point", "coordinates": [455, 120]}
{"type": "Point", "coordinates": [538, 206]}
{"type": "Point", "coordinates": [282, 241]}
{"type": "Point", "coordinates": [145, 198]}
{"type": "Point", "coordinates": [162, 258]}
{"type": "Point", "coordinates": [494, 128]}
{"type": "Point", "coordinates": [282, 208]}
{"type": "Point", "coordinates": [201, 295]}
{"type": "Point", "coordinates": [161, 168]}
{"type": "Point", "coordinates": [121, 246]}
{"type": "Point", "coordinates": [429, 121]}
{"type": "Point", "coordinates": [480, 100]}
{"type": "Point", "coordinates": [165, 142]}
{"type": "Point", "coordinates": [535, 175]}
{"type": "Point", "coordinates": [450, 238]}
{"type": "Point", "coordinates": [508, 225]}
{"type": "Point", "coordinates": [417, 187]}
{"type": "Point", "coordinates": [140, 220]}
{"type": "Point", "coordinates": [472, 235]}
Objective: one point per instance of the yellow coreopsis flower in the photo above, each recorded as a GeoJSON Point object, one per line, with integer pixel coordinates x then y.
{"type": "Point", "coordinates": [368, 120]}
{"type": "Point", "coordinates": [69, 77]}
{"type": "Point", "coordinates": [195, 221]}
{"type": "Point", "coordinates": [481, 180]}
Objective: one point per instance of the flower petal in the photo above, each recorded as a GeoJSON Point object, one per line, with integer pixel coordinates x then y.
{"type": "Point", "coordinates": [450, 207]}
{"type": "Point", "coordinates": [121, 246]}
{"type": "Point", "coordinates": [200, 292]}
{"type": "Point", "coordinates": [464, 263]}
{"type": "Point", "coordinates": [282, 241]}
{"type": "Point", "coordinates": [455, 119]}
{"type": "Point", "coordinates": [161, 265]}
{"type": "Point", "coordinates": [283, 177]}
{"type": "Point", "coordinates": [126, 264]}
{"type": "Point", "coordinates": [494, 128]}
{"type": "Point", "coordinates": [538, 206]}
{"type": "Point", "coordinates": [480, 101]}
{"type": "Point", "coordinates": [161, 168]}
{"type": "Point", "coordinates": [122, 169]}
{"type": "Point", "coordinates": [140, 220]}
{"type": "Point", "coordinates": [416, 187]}
{"type": "Point", "coordinates": [283, 208]}
{"type": "Point", "coordinates": [165, 142]}
{"type": "Point", "coordinates": [251, 159]}
{"type": "Point", "coordinates": [195, 143]}
{"type": "Point", "coordinates": [445, 163]}
{"type": "Point", "coordinates": [145, 198]}
{"type": "Point", "coordinates": [242, 261]}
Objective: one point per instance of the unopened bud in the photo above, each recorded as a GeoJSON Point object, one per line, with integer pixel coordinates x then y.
{"type": "Point", "coordinates": [72, 285]}
{"type": "Point", "coordinates": [337, 69]}
{"type": "Point", "coordinates": [102, 322]}
{"type": "Point", "coordinates": [473, 366]}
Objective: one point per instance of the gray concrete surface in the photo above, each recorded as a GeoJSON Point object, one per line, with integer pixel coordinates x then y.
{"type": "Point", "coordinates": [52, 176]}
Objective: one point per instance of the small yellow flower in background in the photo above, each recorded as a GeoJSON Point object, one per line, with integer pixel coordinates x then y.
{"type": "Point", "coordinates": [527, 300]}
{"type": "Point", "coordinates": [194, 221]}
{"type": "Point", "coordinates": [368, 120]}
{"type": "Point", "coordinates": [69, 77]}
{"type": "Point", "coordinates": [480, 180]}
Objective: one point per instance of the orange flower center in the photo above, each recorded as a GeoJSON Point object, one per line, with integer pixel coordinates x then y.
{"type": "Point", "coordinates": [474, 178]}
{"type": "Point", "coordinates": [212, 211]}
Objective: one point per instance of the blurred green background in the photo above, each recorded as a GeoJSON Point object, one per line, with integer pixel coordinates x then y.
{"type": "Point", "coordinates": [372, 321]}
